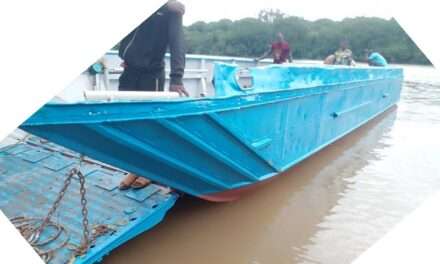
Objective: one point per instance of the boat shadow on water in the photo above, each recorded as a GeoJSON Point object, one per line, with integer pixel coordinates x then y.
{"type": "Point", "coordinates": [301, 197]}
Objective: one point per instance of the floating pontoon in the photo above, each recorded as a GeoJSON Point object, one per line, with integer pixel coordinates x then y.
{"type": "Point", "coordinates": [33, 175]}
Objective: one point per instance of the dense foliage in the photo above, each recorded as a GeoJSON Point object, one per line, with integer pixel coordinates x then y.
{"type": "Point", "coordinates": [250, 37]}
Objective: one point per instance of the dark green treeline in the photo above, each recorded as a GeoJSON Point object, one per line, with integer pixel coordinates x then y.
{"type": "Point", "coordinates": [250, 37]}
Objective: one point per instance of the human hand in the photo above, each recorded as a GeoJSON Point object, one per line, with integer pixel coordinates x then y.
{"type": "Point", "coordinates": [179, 88]}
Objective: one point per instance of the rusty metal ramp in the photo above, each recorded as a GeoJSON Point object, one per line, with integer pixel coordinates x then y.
{"type": "Point", "coordinates": [32, 176]}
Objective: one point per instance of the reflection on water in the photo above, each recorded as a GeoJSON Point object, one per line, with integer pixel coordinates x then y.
{"type": "Point", "coordinates": [328, 209]}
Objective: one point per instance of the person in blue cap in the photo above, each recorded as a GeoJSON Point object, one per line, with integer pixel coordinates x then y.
{"type": "Point", "coordinates": [375, 59]}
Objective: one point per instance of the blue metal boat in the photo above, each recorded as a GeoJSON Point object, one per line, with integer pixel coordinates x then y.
{"type": "Point", "coordinates": [217, 147]}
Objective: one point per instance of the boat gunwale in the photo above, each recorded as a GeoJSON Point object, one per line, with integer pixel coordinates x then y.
{"type": "Point", "coordinates": [198, 106]}
{"type": "Point", "coordinates": [248, 92]}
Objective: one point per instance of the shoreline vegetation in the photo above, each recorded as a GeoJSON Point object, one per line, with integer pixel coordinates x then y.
{"type": "Point", "coordinates": [310, 40]}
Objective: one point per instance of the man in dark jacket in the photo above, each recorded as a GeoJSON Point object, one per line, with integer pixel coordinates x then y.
{"type": "Point", "coordinates": [143, 52]}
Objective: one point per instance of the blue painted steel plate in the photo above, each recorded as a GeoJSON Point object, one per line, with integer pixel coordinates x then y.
{"type": "Point", "coordinates": [57, 162]}
{"type": "Point", "coordinates": [16, 149]}
{"type": "Point", "coordinates": [142, 194]}
{"type": "Point", "coordinates": [30, 183]}
{"type": "Point", "coordinates": [107, 181]}
{"type": "Point", "coordinates": [34, 155]}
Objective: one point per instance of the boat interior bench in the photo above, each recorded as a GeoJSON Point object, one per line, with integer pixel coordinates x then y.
{"type": "Point", "coordinates": [33, 172]}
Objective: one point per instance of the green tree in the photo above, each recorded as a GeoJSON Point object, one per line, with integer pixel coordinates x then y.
{"type": "Point", "coordinates": [250, 37]}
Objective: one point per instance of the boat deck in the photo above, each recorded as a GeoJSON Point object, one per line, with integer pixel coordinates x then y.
{"type": "Point", "coordinates": [31, 176]}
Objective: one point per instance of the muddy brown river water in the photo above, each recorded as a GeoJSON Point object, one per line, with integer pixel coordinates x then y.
{"type": "Point", "coordinates": [328, 209]}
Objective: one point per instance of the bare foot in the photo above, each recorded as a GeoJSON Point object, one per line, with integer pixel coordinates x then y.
{"type": "Point", "coordinates": [127, 181]}
{"type": "Point", "coordinates": [140, 183]}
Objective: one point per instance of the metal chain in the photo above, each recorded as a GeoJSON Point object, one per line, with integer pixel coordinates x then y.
{"type": "Point", "coordinates": [55, 205]}
{"type": "Point", "coordinates": [32, 228]}
{"type": "Point", "coordinates": [85, 243]}
{"type": "Point", "coordinates": [26, 226]}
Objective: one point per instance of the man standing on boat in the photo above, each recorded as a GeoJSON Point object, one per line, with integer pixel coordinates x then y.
{"type": "Point", "coordinates": [280, 51]}
{"type": "Point", "coordinates": [143, 53]}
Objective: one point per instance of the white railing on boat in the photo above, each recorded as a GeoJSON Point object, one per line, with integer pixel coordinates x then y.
{"type": "Point", "coordinates": [113, 74]}
{"type": "Point", "coordinates": [128, 95]}
{"type": "Point", "coordinates": [197, 78]}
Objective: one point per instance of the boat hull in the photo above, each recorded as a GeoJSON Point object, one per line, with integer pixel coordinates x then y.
{"type": "Point", "coordinates": [217, 148]}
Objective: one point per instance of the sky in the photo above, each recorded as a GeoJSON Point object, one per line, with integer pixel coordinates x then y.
{"type": "Point", "coordinates": [213, 10]}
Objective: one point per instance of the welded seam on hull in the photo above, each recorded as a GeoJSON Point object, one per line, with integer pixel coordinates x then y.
{"type": "Point", "coordinates": [214, 117]}
{"type": "Point", "coordinates": [145, 148]}
{"type": "Point", "coordinates": [351, 109]}
{"type": "Point", "coordinates": [191, 138]}
{"type": "Point", "coordinates": [324, 145]}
